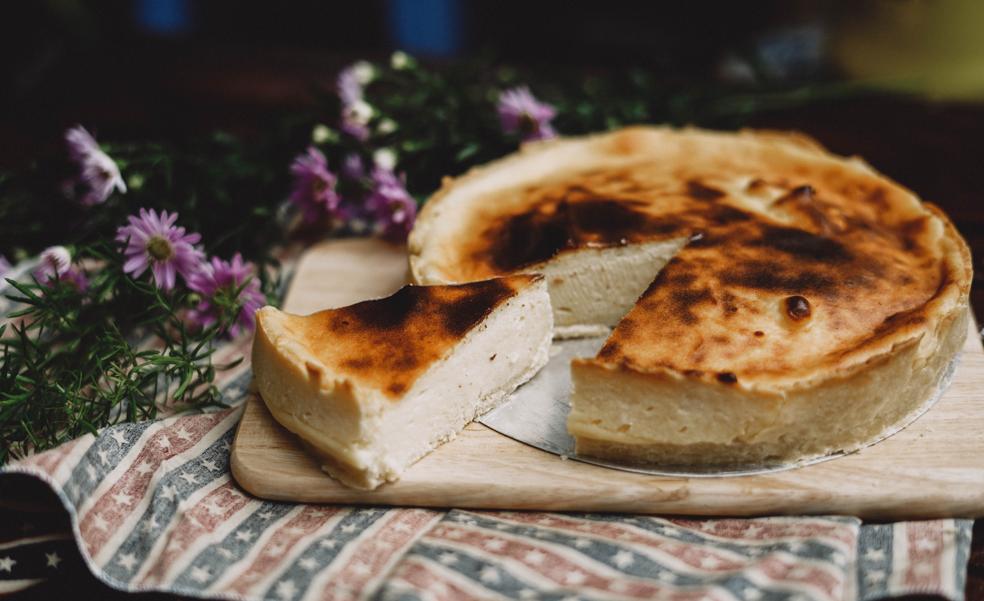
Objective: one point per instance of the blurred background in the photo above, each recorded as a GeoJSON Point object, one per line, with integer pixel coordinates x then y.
{"type": "Point", "coordinates": [148, 67]}
{"type": "Point", "coordinates": [898, 82]}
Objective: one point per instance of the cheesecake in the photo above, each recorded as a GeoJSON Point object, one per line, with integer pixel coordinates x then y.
{"type": "Point", "coordinates": [372, 387]}
{"type": "Point", "coordinates": [770, 301]}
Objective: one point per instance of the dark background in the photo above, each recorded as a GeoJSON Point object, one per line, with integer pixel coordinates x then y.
{"type": "Point", "coordinates": [167, 67]}
{"type": "Point", "coordinates": [137, 69]}
{"type": "Point", "coordinates": [142, 69]}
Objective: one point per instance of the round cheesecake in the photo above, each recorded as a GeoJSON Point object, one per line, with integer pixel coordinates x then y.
{"type": "Point", "coordinates": [770, 301]}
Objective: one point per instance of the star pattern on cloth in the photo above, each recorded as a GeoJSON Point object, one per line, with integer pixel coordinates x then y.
{"type": "Point", "coordinates": [286, 589]}
{"type": "Point", "coordinates": [623, 559]}
{"type": "Point", "coordinates": [169, 492]}
{"type": "Point", "coordinates": [119, 436]}
{"type": "Point", "coordinates": [7, 564]}
{"type": "Point", "coordinates": [127, 561]}
{"type": "Point", "coordinates": [244, 535]}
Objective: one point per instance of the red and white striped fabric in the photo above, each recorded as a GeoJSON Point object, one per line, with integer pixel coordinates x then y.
{"type": "Point", "coordinates": [154, 507]}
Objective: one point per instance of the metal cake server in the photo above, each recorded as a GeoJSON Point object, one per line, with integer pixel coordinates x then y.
{"type": "Point", "coordinates": [536, 415]}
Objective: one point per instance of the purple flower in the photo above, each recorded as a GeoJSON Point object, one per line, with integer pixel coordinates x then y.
{"type": "Point", "coordinates": [98, 174]}
{"type": "Point", "coordinates": [77, 278]}
{"type": "Point", "coordinates": [218, 282]}
{"type": "Point", "coordinates": [314, 185]}
{"type": "Point", "coordinates": [352, 80]}
{"type": "Point", "coordinates": [391, 204]}
{"type": "Point", "coordinates": [55, 265]}
{"type": "Point", "coordinates": [353, 168]}
{"type": "Point", "coordinates": [355, 120]}
{"type": "Point", "coordinates": [353, 217]}
{"type": "Point", "coordinates": [349, 88]}
{"type": "Point", "coordinates": [520, 112]}
{"type": "Point", "coordinates": [4, 266]}
{"type": "Point", "coordinates": [154, 241]}
{"type": "Point", "coordinates": [356, 112]}
{"type": "Point", "coordinates": [55, 261]}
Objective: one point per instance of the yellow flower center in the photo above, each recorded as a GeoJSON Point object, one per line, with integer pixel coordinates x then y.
{"type": "Point", "coordinates": [159, 248]}
{"type": "Point", "coordinates": [527, 124]}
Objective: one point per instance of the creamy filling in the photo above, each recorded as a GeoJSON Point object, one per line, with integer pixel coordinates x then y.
{"type": "Point", "coordinates": [591, 289]}
{"type": "Point", "coordinates": [476, 376]}
{"type": "Point", "coordinates": [480, 373]}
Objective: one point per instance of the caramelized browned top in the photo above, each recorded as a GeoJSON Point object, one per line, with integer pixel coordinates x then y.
{"type": "Point", "coordinates": [579, 217]}
{"type": "Point", "coordinates": [388, 343]}
{"type": "Point", "coordinates": [755, 298]}
{"type": "Point", "coordinates": [795, 258]}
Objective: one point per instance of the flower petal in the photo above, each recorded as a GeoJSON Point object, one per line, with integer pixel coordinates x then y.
{"type": "Point", "coordinates": [136, 265]}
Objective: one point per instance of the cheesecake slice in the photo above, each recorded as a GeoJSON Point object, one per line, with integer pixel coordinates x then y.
{"type": "Point", "coordinates": [373, 387]}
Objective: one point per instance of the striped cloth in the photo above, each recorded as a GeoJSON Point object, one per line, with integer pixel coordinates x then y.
{"type": "Point", "coordinates": [154, 507]}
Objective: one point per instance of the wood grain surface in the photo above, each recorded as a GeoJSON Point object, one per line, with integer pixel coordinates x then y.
{"type": "Point", "coordinates": [933, 468]}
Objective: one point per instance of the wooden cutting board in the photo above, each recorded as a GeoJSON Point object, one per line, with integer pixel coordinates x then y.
{"type": "Point", "coordinates": [933, 468]}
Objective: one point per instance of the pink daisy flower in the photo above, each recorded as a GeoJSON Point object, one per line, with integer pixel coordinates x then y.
{"type": "Point", "coordinates": [521, 113]}
{"type": "Point", "coordinates": [217, 282]}
{"type": "Point", "coordinates": [55, 265]}
{"type": "Point", "coordinates": [352, 80]}
{"type": "Point", "coordinates": [98, 174]}
{"type": "Point", "coordinates": [55, 261]}
{"type": "Point", "coordinates": [154, 241]}
{"type": "Point", "coordinates": [350, 86]}
{"type": "Point", "coordinates": [314, 185]}
{"type": "Point", "coordinates": [355, 119]}
{"type": "Point", "coordinates": [352, 167]}
{"type": "Point", "coordinates": [391, 204]}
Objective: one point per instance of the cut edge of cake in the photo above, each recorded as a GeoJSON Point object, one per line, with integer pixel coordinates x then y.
{"type": "Point", "coordinates": [591, 289]}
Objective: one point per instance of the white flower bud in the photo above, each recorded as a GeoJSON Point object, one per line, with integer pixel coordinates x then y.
{"type": "Point", "coordinates": [135, 181]}
{"type": "Point", "coordinates": [364, 72]}
{"type": "Point", "coordinates": [385, 158]}
{"type": "Point", "coordinates": [322, 133]}
{"type": "Point", "coordinates": [400, 60]}
{"type": "Point", "coordinates": [358, 112]}
{"type": "Point", "coordinates": [386, 126]}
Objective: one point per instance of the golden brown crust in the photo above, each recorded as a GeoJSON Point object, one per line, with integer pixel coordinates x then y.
{"type": "Point", "coordinates": [388, 343]}
{"type": "Point", "coordinates": [800, 264]}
